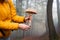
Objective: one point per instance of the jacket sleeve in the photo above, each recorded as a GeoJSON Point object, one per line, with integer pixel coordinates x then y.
{"type": "Point", "coordinates": [15, 17]}
{"type": "Point", "coordinates": [8, 25]}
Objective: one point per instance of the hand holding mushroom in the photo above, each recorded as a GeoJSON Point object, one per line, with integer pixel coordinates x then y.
{"type": "Point", "coordinates": [30, 12]}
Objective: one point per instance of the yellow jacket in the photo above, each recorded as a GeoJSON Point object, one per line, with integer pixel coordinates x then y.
{"type": "Point", "coordinates": [7, 14]}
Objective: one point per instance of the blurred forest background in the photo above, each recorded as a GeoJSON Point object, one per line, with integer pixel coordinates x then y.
{"type": "Point", "coordinates": [39, 25]}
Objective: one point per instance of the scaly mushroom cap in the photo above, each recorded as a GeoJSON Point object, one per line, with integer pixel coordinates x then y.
{"type": "Point", "coordinates": [31, 11]}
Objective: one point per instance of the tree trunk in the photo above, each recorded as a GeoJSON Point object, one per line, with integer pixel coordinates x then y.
{"type": "Point", "coordinates": [52, 31]}
{"type": "Point", "coordinates": [19, 6]}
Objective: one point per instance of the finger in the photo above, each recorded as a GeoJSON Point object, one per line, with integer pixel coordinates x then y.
{"type": "Point", "coordinates": [27, 28]}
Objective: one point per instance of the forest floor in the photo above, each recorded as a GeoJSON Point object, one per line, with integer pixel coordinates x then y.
{"type": "Point", "coordinates": [44, 37]}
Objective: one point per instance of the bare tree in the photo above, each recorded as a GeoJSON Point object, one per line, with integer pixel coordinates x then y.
{"type": "Point", "coordinates": [52, 31]}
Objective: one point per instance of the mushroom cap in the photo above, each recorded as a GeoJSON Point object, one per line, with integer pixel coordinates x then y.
{"type": "Point", "coordinates": [31, 11]}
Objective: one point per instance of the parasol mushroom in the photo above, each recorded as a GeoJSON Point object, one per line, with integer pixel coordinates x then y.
{"type": "Point", "coordinates": [30, 12]}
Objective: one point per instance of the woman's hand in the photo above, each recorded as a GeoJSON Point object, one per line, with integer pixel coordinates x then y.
{"type": "Point", "coordinates": [24, 27]}
{"type": "Point", "coordinates": [28, 18]}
